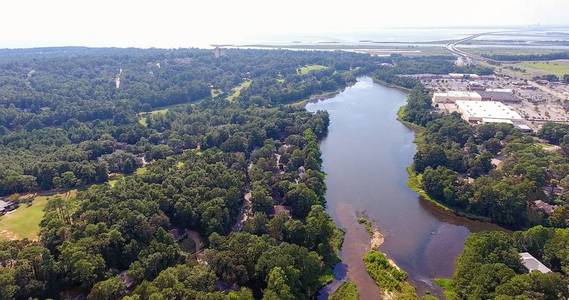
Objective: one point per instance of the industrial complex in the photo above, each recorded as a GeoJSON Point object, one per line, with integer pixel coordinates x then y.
{"type": "Point", "coordinates": [476, 112]}
{"type": "Point", "coordinates": [497, 99]}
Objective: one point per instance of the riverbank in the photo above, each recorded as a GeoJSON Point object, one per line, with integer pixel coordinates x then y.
{"type": "Point", "coordinates": [318, 97]}
{"type": "Point", "coordinates": [415, 179]}
{"type": "Point", "coordinates": [371, 180]}
{"type": "Point", "coordinates": [415, 183]}
{"type": "Point", "coordinates": [391, 85]}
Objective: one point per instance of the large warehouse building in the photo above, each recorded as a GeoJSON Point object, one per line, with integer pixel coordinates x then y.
{"type": "Point", "coordinates": [477, 112]}
{"type": "Point", "coordinates": [453, 96]}
{"type": "Point", "coordinates": [502, 95]}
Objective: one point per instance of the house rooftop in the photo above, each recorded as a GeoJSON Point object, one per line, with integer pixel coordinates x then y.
{"type": "Point", "coordinates": [532, 264]}
{"type": "Point", "coordinates": [546, 207]}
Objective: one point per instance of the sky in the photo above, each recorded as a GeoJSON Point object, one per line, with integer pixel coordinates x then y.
{"type": "Point", "coordinates": [177, 23]}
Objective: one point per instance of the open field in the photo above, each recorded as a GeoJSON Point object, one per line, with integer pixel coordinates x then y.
{"type": "Point", "coordinates": [558, 67]}
{"type": "Point", "coordinates": [141, 171]}
{"type": "Point", "coordinates": [310, 68]}
{"type": "Point", "coordinates": [237, 90]}
{"type": "Point", "coordinates": [508, 50]}
{"type": "Point", "coordinates": [143, 116]}
{"type": "Point", "coordinates": [24, 222]}
{"type": "Point", "coordinates": [112, 182]}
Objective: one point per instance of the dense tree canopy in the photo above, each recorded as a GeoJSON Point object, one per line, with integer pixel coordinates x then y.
{"type": "Point", "coordinates": [176, 221]}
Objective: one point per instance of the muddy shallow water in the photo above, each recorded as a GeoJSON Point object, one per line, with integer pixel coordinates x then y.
{"type": "Point", "coordinates": [365, 156]}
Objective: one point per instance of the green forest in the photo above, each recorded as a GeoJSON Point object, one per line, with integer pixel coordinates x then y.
{"type": "Point", "coordinates": [214, 194]}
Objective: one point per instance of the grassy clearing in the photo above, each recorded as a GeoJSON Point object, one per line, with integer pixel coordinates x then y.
{"type": "Point", "coordinates": [141, 171]}
{"type": "Point", "coordinates": [559, 67]}
{"type": "Point", "coordinates": [510, 51]}
{"type": "Point", "coordinates": [24, 222]}
{"type": "Point", "coordinates": [237, 90]}
{"type": "Point", "coordinates": [390, 279]}
{"type": "Point", "coordinates": [310, 68]}
{"type": "Point", "coordinates": [143, 117]}
{"type": "Point", "coordinates": [112, 182]}
{"type": "Point", "coordinates": [448, 288]}
{"type": "Point", "coordinates": [347, 291]}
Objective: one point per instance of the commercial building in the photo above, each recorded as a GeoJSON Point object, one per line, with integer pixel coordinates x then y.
{"type": "Point", "coordinates": [532, 264]}
{"type": "Point", "coordinates": [453, 96]}
{"type": "Point", "coordinates": [502, 95]}
{"type": "Point", "coordinates": [476, 93]}
{"type": "Point", "coordinates": [463, 76]}
{"type": "Point", "coordinates": [477, 112]}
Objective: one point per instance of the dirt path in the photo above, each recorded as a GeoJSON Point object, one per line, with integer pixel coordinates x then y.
{"type": "Point", "coordinates": [246, 209]}
{"type": "Point", "coordinates": [8, 235]}
{"type": "Point", "coordinates": [118, 79]}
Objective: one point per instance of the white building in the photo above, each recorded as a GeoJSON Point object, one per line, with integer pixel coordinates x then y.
{"type": "Point", "coordinates": [463, 76]}
{"type": "Point", "coordinates": [453, 96]}
{"type": "Point", "coordinates": [532, 264]}
{"type": "Point", "coordinates": [487, 112]}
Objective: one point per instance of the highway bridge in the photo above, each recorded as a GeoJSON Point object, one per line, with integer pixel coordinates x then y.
{"type": "Point", "coordinates": [469, 57]}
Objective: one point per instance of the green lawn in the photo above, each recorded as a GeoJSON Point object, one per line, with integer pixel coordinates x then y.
{"type": "Point", "coordinates": [141, 171]}
{"type": "Point", "coordinates": [24, 222]}
{"type": "Point", "coordinates": [143, 117]}
{"type": "Point", "coordinates": [310, 68]}
{"type": "Point", "coordinates": [559, 67]}
{"type": "Point", "coordinates": [237, 90]}
{"type": "Point", "coordinates": [112, 182]}
{"type": "Point", "coordinates": [347, 291]}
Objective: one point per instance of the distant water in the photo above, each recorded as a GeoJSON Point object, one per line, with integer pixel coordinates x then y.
{"type": "Point", "coordinates": [383, 35]}
{"type": "Point", "coordinates": [399, 35]}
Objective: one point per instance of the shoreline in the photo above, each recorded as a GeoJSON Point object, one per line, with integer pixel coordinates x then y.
{"type": "Point", "coordinates": [414, 178]}
{"type": "Point", "coordinates": [319, 97]}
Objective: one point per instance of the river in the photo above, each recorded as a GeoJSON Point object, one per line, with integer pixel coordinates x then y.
{"type": "Point", "coordinates": [365, 156]}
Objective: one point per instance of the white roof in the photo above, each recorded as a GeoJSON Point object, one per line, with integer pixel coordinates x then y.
{"type": "Point", "coordinates": [500, 90]}
{"type": "Point", "coordinates": [491, 110]}
{"type": "Point", "coordinates": [464, 94]}
{"type": "Point", "coordinates": [491, 120]}
{"type": "Point", "coordinates": [532, 264]}
{"type": "Point", "coordinates": [523, 127]}
{"type": "Point", "coordinates": [3, 204]}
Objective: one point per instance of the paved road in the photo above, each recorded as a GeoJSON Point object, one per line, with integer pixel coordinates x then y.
{"type": "Point", "coordinates": [469, 57]}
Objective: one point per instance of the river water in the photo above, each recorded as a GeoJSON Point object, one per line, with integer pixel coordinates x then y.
{"type": "Point", "coordinates": [365, 156]}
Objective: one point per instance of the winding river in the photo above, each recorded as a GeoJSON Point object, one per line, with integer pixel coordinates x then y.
{"type": "Point", "coordinates": [365, 156]}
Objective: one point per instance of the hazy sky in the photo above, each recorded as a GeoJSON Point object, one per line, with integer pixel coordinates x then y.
{"type": "Point", "coordinates": [170, 23]}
